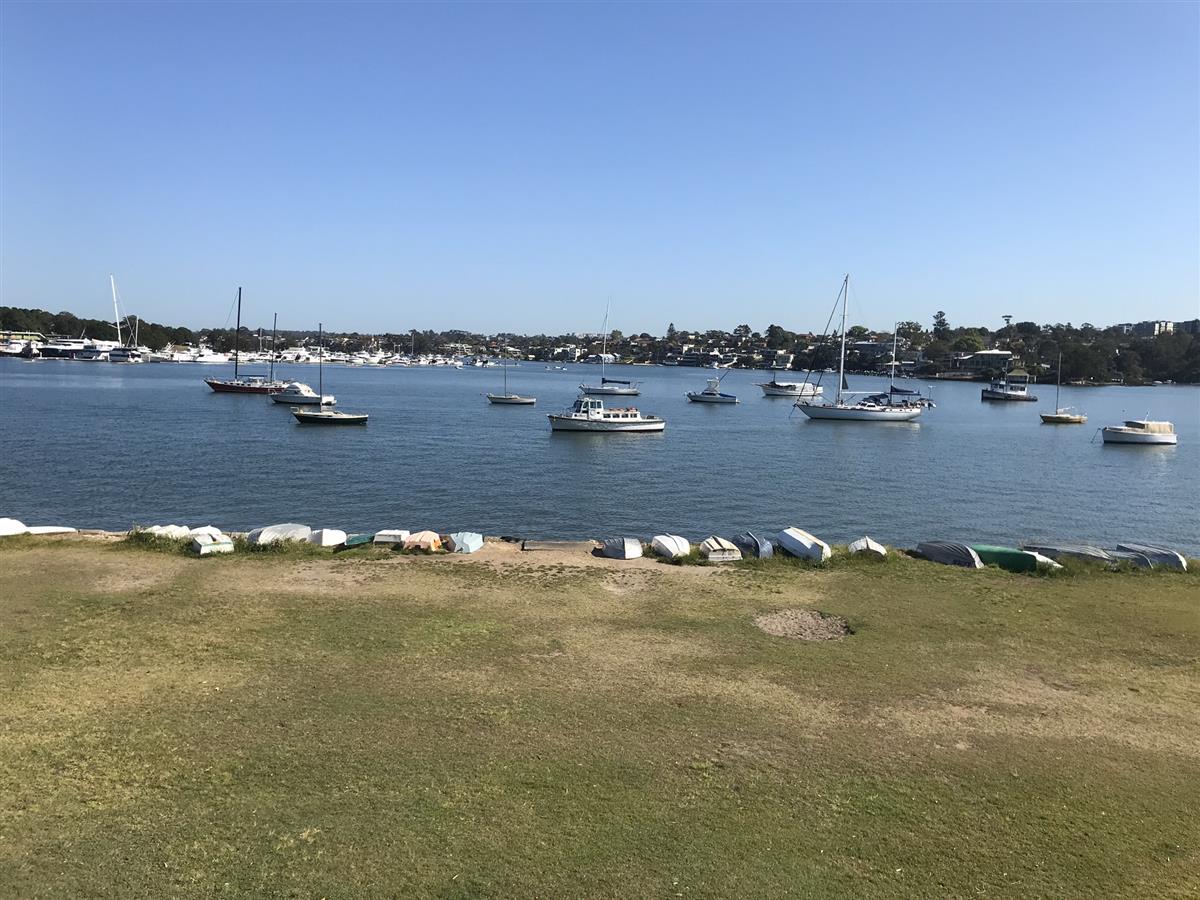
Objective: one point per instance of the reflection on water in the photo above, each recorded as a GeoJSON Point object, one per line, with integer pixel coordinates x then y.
{"type": "Point", "coordinates": [107, 446]}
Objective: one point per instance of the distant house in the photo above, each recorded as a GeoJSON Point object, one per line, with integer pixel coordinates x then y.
{"type": "Point", "coordinates": [1153, 329]}
{"type": "Point", "coordinates": [983, 361]}
{"type": "Point", "coordinates": [1192, 326]}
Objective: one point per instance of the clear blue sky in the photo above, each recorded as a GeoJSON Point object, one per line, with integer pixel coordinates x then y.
{"type": "Point", "coordinates": [509, 167]}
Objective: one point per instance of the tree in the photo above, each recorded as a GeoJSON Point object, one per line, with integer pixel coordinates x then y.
{"type": "Point", "coordinates": [779, 338]}
{"type": "Point", "coordinates": [909, 331]}
{"type": "Point", "coordinates": [968, 343]}
{"type": "Point", "coordinates": [857, 332]}
{"type": "Point", "coordinates": [941, 328]}
{"type": "Point", "coordinates": [671, 333]}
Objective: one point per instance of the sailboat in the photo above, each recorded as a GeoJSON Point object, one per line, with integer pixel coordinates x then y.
{"type": "Point", "coordinates": [510, 399]}
{"type": "Point", "coordinates": [872, 407]}
{"type": "Point", "coordinates": [609, 386]}
{"type": "Point", "coordinates": [253, 385]}
{"type": "Point", "coordinates": [1062, 415]}
{"type": "Point", "coordinates": [122, 353]}
{"type": "Point", "coordinates": [321, 415]}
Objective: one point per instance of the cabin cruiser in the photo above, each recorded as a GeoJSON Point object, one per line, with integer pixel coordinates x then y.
{"type": "Point", "coordinates": [126, 355]}
{"type": "Point", "coordinates": [1012, 386]}
{"type": "Point", "coordinates": [63, 348]}
{"type": "Point", "coordinates": [589, 414]}
{"type": "Point", "coordinates": [794, 389]}
{"type": "Point", "coordinates": [711, 394]}
{"type": "Point", "coordinates": [299, 394]}
{"type": "Point", "coordinates": [1140, 431]}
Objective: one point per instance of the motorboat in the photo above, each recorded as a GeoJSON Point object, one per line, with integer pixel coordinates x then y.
{"type": "Point", "coordinates": [237, 385]}
{"type": "Point", "coordinates": [609, 387]}
{"type": "Point", "coordinates": [1140, 431]}
{"type": "Point", "coordinates": [125, 355]}
{"type": "Point", "coordinates": [872, 407]}
{"type": "Point", "coordinates": [1059, 552]}
{"type": "Point", "coordinates": [793, 389]}
{"type": "Point", "coordinates": [589, 414]}
{"type": "Point", "coordinates": [1012, 385]}
{"type": "Point", "coordinates": [1062, 415]}
{"type": "Point", "coordinates": [63, 348]}
{"type": "Point", "coordinates": [622, 548]}
{"type": "Point", "coordinates": [950, 553]}
{"type": "Point", "coordinates": [717, 549]}
{"type": "Point", "coordinates": [327, 417]}
{"type": "Point", "coordinates": [670, 546]}
{"type": "Point", "coordinates": [799, 543]}
{"type": "Point", "coordinates": [711, 394]}
{"type": "Point", "coordinates": [865, 546]}
{"type": "Point", "coordinates": [753, 546]}
{"type": "Point", "coordinates": [299, 394]}
{"type": "Point", "coordinates": [508, 399]}
{"type": "Point", "coordinates": [1160, 556]}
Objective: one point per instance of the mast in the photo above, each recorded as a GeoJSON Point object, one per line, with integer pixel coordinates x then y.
{"type": "Point", "coordinates": [320, 364]}
{"type": "Point", "coordinates": [892, 376]}
{"type": "Point", "coordinates": [274, 323]}
{"type": "Point", "coordinates": [116, 313]}
{"type": "Point", "coordinates": [604, 341]}
{"type": "Point", "coordinates": [1058, 387]}
{"type": "Point", "coordinates": [504, 362]}
{"type": "Point", "coordinates": [237, 332]}
{"type": "Point", "coordinates": [842, 361]}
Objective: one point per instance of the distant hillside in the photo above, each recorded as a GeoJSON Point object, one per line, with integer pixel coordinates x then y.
{"type": "Point", "coordinates": [151, 334]}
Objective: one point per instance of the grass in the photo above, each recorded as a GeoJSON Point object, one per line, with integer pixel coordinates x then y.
{"type": "Point", "coordinates": [294, 725]}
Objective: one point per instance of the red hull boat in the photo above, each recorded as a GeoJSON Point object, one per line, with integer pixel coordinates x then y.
{"type": "Point", "coordinates": [244, 386]}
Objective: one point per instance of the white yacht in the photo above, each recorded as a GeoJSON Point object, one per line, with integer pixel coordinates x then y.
{"type": "Point", "coordinates": [609, 387]}
{"type": "Point", "coordinates": [126, 355]}
{"type": "Point", "coordinates": [1140, 431]}
{"type": "Point", "coordinates": [871, 407]}
{"type": "Point", "coordinates": [711, 394]}
{"type": "Point", "coordinates": [589, 414]}
{"type": "Point", "coordinates": [299, 394]}
{"type": "Point", "coordinates": [794, 389]}
{"type": "Point", "coordinates": [1012, 385]}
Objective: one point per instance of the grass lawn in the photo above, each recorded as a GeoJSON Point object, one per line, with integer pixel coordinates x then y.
{"type": "Point", "coordinates": [270, 725]}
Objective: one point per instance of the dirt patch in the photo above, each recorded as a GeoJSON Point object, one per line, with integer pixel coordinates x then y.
{"type": "Point", "coordinates": [804, 625]}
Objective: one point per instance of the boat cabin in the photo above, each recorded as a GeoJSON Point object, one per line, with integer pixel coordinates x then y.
{"type": "Point", "coordinates": [1149, 427]}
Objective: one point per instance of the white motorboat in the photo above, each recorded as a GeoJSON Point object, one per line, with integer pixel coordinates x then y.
{"type": "Point", "coordinates": [718, 549]}
{"type": "Point", "coordinates": [793, 389]}
{"type": "Point", "coordinates": [865, 546]}
{"type": "Point", "coordinates": [711, 394]}
{"type": "Point", "coordinates": [1140, 431]}
{"type": "Point", "coordinates": [589, 414]}
{"type": "Point", "coordinates": [622, 548]}
{"type": "Point", "coordinates": [670, 546]}
{"type": "Point", "coordinates": [872, 407]}
{"type": "Point", "coordinates": [801, 544]}
{"type": "Point", "coordinates": [125, 355]}
{"type": "Point", "coordinates": [609, 387]}
{"type": "Point", "coordinates": [1012, 385]}
{"type": "Point", "coordinates": [297, 393]}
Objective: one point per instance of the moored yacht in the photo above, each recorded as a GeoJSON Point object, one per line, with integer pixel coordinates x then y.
{"type": "Point", "coordinates": [793, 389]}
{"type": "Point", "coordinates": [589, 414]}
{"type": "Point", "coordinates": [611, 387]}
{"type": "Point", "coordinates": [1140, 431]}
{"type": "Point", "coordinates": [253, 385]}
{"type": "Point", "coordinates": [711, 394]}
{"type": "Point", "coordinates": [299, 394]}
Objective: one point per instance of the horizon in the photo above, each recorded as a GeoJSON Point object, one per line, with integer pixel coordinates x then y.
{"type": "Point", "coordinates": [1035, 160]}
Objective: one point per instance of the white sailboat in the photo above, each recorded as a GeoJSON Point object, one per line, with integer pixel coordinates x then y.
{"type": "Point", "coordinates": [510, 399]}
{"type": "Point", "coordinates": [609, 387]}
{"type": "Point", "coordinates": [872, 407]}
{"type": "Point", "coordinates": [1062, 415]}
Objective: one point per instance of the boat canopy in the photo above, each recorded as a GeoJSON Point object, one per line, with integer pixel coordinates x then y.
{"type": "Point", "coordinates": [614, 381]}
{"type": "Point", "coordinates": [1150, 427]}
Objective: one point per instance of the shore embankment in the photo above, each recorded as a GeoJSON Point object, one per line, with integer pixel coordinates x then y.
{"type": "Point", "coordinates": [294, 722]}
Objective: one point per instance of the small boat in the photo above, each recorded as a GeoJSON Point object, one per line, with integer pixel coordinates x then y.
{"type": "Point", "coordinates": [355, 541]}
{"type": "Point", "coordinates": [1059, 552]}
{"type": "Point", "coordinates": [298, 394]}
{"type": "Point", "coordinates": [865, 546]}
{"type": "Point", "coordinates": [390, 537]}
{"type": "Point", "coordinates": [1160, 556]}
{"type": "Point", "coordinates": [589, 414]}
{"type": "Point", "coordinates": [325, 416]}
{"type": "Point", "coordinates": [670, 546]}
{"type": "Point", "coordinates": [717, 549]}
{"type": "Point", "coordinates": [799, 543]}
{"type": "Point", "coordinates": [1137, 560]}
{"type": "Point", "coordinates": [423, 540]}
{"type": "Point", "coordinates": [507, 399]}
{"type": "Point", "coordinates": [950, 553]}
{"type": "Point", "coordinates": [622, 548]}
{"type": "Point", "coordinates": [464, 542]}
{"type": "Point", "coordinates": [1012, 385]}
{"type": "Point", "coordinates": [1140, 431]}
{"type": "Point", "coordinates": [1008, 558]}
{"type": "Point", "coordinates": [711, 394]}
{"type": "Point", "coordinates": [238, 385]}
{"type": "Point", "coordinates": [793, 389]}
{"type": "Point", "coordinates": [328, 537]}
{"type": "Point", "coordinates": [753, 546]}
{"type": "Point", "coordinates": [1062, 415]}
{"type": "Point", "coordinates": [609, 386]}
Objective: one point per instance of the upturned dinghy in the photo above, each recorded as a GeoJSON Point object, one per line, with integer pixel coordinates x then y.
{"type": "Point", "coordinates": [622, 548]}
{"type": "Point", "coordinates": [390, 537]}
{"type": "Point", "coordinates": [670, 546]}
{"type": "Point", "coordinates": [355, 541]}
{"type": "Point", "coordinates": [464, 542]}
{"type": "Point", "coordinates": [327, 537]}
{"type": "Point", "coordinates": [423, 540]}
{"type": "Point", "coordinates": [1059, 552]}
{"type": "Point", "coordinates": [753, 546]}
{"type": "Point", "coordinates": [1008, 558]}
{"type": "Point", "coordinates": [950, 553]}
{"type": "Point", "coordinates": [799, 543]}
{"type": "Point", "coordinates": [865, 546]}
{"type": "Point", "coordinates": [717, 549]}
{"type": "Point", "coordinates": [1160, 556]}
{"type": "Point", "coordinates": [1137, 560]}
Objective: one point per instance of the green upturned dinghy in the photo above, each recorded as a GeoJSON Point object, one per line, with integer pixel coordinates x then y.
{"type": "Point", "coordinates": [1008, 558]}
{"type": "Point", "coordinates": [357, 541]}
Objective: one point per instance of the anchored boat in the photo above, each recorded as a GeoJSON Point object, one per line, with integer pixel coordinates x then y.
{"type": "Point", "coordinates": [609, 386]}
{"type": "Point", "coordinates": [1140, 431]}
{"type": "Point", "coordinates": [1062, 415]}
{"type": "Point", "coordinates": [793, 389]}
{"type": "Point", "coordinates": [589, 414]}
{"type": "Point", "coordinates": [507, 399]}
{"type": "Point", "coordinates": [711, 394]}
{"type": "Point", "coordinates": [1012, 385]}
{"type": "Point", "coordinates": [252, 385]}
{"type": "Point", "coordinates": [323, 416]}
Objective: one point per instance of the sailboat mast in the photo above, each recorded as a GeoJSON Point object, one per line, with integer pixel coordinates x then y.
{"type": "Point", "coordinates": [1058, 387]}
{"type": "Point", "coordinates": [116, 313]}
{"type": "Point", "coordinates": [237, 333]}
{"type": "Point", "coordinates": [842, 361]}
{"type": "Point", "coordinates": [892, 376]}
{"type": "Point", "coordinates": [604, 341]}
{"type": "Point", "coordinates": [274, 324]}
{"type": "Point", "coordinates": [320, 364]}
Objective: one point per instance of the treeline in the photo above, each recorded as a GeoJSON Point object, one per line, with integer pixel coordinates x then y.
{"type": "Point", "coordinates": [66, 324]}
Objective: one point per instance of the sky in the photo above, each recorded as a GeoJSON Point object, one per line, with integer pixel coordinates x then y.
{"type": "Point", "coordinates": [516, 167]}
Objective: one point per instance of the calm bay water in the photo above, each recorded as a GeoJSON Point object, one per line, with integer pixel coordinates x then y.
{"type": "Point", "coordinates": [108, 446]}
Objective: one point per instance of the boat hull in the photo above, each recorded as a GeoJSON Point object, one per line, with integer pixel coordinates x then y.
{"type": "Point", "coordinates": [327, 417]}
{"type": "Point", "coordinates": [794, 390]}
{"type": "Point", "coordinates": [511, 400]}
{"type": "Point", "coordinates": [799, 543]}
{"type": "Point", "coordinates": [566, 423]}
{"type": "Point", "coordinates": [606, 391]}
{"type": "Point", "coordinates": [243, 387]}
{"type": "Point", "coordinates": [859, 414]}
{"type": "Point", "coordinates": [1062, 419]}
{"type": "Point", "coordinates": [701, 397]}
{"type": "Point", "coordinates": [1115, 436]}
{"type": "Point", "coordinates": [1006, 396]}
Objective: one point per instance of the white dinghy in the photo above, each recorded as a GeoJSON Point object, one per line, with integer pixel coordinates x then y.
{"type": "Point", "coordinates": [622, 548]}
{"type": "Point", "coordinates": [717, 549]}
{"type": "Point", "coordinates": [670, 546]}
{"type": "Point", "coordinates": [801, 544]}
{"type": "Point", "coordinates": [867, 547]}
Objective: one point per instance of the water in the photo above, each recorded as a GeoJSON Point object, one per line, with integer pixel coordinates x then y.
{"type": "Point", "coordinates": [107, 446]}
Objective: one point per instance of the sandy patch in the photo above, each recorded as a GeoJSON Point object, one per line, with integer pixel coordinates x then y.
{"type": "Point", "coordinates": [804, 625]}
